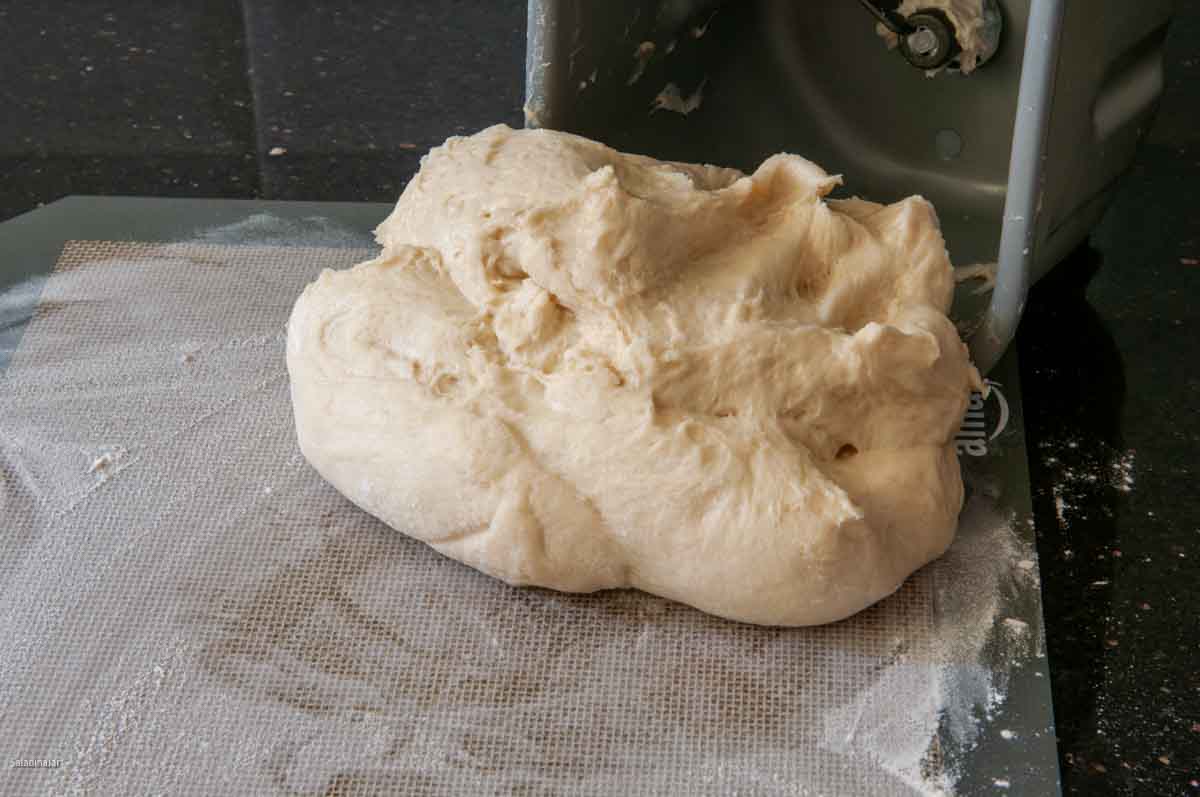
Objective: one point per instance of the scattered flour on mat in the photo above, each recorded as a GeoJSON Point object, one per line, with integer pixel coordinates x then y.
{"type": "Point", "coordinates": [17, 301]}
{"type": "Point", "coordinates": [266, 229]}
{"type": "Point", "coordinates": [949, 676]}
{"type": "Point", "coordinates": [956, 680]}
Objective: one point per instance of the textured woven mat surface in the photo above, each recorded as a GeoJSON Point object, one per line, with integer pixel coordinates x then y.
{"type": "Point", "coordinates": [186, 607]}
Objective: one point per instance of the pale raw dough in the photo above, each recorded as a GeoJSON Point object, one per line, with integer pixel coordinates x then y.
{"type": "Point", "coordinates": [582, 369]}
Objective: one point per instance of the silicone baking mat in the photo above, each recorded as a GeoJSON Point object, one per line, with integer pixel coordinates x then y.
{"type": "Point", "coordinates": [186, 607]}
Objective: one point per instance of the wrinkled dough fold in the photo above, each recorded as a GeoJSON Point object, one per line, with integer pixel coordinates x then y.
{"type": "Point", "coordinates": [583, 369]}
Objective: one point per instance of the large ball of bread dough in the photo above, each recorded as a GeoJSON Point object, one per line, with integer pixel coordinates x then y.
{"type": "Point", "coordinates": [581, 369]}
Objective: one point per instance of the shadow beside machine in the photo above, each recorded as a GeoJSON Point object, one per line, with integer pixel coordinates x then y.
{"type": "Point", "coordinates": [1073, 381]}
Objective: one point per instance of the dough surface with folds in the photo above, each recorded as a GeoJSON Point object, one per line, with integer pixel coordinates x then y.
{"type": "Point", "coordinates": [581, 369]}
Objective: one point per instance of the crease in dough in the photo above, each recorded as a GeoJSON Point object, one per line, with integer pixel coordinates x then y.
{"type": "Point", "coordinates": [583, 369]}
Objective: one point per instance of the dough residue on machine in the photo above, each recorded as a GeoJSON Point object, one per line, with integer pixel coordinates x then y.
{"type": "Point", "coordinates": [583, 369]}
{"type": "Point", "coordinates": [976, 27]}
{"type": "Point", "coordinates": [641, 57]}
{"type": "Point", "coordinates": [670, 99]}
{"type": "Point", "coordinates": [984, 272]}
